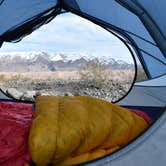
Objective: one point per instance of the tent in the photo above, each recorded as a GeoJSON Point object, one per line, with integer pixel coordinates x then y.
{"type": "Point", "coordinates": [141, 26]}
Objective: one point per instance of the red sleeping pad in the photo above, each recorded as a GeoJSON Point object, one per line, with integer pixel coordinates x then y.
{"type": "Point", "coordinates": [15, 122]}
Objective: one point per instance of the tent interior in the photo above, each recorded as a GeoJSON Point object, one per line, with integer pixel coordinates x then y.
{"type": "Point", "coordinates": [135, 23]}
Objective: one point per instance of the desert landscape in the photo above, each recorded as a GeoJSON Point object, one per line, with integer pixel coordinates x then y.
{"type": "Point", "coordinates": [40, 75]}
{"type": "Point", "coordinates": [65, 83]}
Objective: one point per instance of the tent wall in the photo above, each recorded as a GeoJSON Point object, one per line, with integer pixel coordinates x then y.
{"type": "Point", "coordinates": [147, 93]}
{"type": "Point", "coordinates": [113, 15]}
{"type": "Point", "coordinates": [157, 82]}
{"type": "Point", "coordinates": [150, 93]}
{"type": "Point", "coordinates": [145, 96]}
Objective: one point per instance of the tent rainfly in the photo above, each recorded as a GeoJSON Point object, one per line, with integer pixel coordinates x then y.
{"type": "Point", "coordinates": [141, 25]}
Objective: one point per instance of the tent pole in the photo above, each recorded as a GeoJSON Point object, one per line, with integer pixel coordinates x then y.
{"type": "Point", "coordinates": [1, 42]}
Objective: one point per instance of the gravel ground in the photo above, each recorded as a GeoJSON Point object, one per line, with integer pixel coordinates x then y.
{"type": "Point", "coordinates": [26, 89]}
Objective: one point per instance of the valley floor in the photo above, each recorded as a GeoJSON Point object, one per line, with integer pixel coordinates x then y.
{"type": "Point", "coordinates": [25, 89]}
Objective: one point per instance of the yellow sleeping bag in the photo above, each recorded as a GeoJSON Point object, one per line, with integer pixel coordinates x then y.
{"type": "Point", "coordinates": [71, 130]}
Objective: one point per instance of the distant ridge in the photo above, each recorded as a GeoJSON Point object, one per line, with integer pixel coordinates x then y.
{"type": "Point", "coordinates": [42, 61]}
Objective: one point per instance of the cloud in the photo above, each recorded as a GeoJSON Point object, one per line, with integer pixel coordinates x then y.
{"type": "Point", "coordinates": [70, 33]}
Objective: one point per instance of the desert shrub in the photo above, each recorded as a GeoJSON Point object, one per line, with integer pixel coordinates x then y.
{"type": "Point", "coordinates": [123, 76]}
{"type": "Point", "coordinates": [15, 77]}
{"type": "Point", "coordinates": [2, 78]}
{"type": "Point", "coordinates": [94, 71]}
{"type": "Point", "coordinates": [19, 77]}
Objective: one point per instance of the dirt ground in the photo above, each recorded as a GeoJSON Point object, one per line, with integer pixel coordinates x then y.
{"type": "Point", "coordinates": [116, 84]}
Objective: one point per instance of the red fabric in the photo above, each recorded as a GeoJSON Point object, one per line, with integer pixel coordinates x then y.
{"type": "Point", "coordinates": [143, 115]}
{"type": "Point", "coordinates": [15, 122]}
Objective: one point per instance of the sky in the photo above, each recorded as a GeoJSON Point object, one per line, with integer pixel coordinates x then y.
{"type": "Point", "coordinates": [68, 33]}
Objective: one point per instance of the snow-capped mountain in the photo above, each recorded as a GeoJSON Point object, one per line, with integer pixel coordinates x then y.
{"type": "Point", "coordinates": [42, 61]}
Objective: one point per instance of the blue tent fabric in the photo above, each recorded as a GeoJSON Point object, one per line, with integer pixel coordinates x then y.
{"type": "Point", "coordinates": [1, 1]}
{"type": "Point", "coordinates": [23, 17]}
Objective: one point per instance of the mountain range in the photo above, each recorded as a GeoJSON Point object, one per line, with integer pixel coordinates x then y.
{"type": "Point", "coordinates": [42, 61]}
